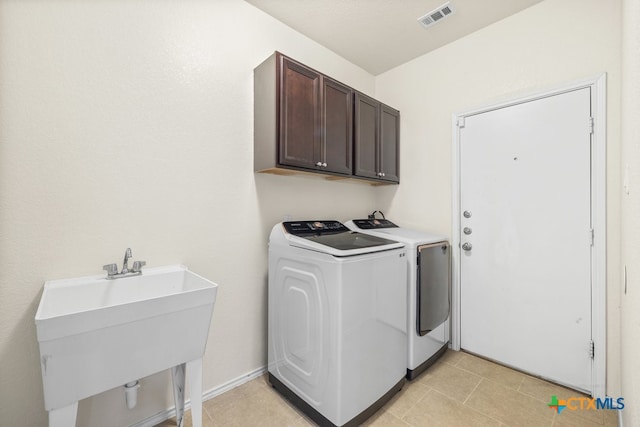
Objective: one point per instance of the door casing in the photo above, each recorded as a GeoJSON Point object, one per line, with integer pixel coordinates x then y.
{"type": "Point", "coordinates": [598, 213]}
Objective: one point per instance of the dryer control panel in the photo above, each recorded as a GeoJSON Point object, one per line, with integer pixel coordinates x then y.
{"type": "Point", "coordinates": [373, 224]}
{"type": "Point", "coordinates": [301, 228]}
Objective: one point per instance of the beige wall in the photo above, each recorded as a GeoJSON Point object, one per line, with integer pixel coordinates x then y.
{"type": "Point", "coordinates": [630, 168]}
{"type": "Point", "coordinates": [550, 44]}
{"type": "Point", "coordinates": [130, 123]}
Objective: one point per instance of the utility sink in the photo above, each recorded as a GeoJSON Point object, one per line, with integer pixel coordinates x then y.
{"type": "Point", "coordinates": [96, 334]}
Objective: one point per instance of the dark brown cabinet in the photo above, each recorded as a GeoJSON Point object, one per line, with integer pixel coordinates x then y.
{"type": "Point", "coordinates": [314, 117]}
{"type": "Point", "coordinates": [299, 97]}
{"type": "Point", "coordinates": [304, 122]}
{"type": "Point", "coordinates": [376, 141]}
{"type": "Point", "coordinates": [337, 127]}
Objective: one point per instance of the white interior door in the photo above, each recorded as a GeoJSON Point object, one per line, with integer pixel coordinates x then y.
{"type": "Point", "coordinates": [525, 263]}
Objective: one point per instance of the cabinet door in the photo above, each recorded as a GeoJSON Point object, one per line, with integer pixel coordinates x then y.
{"type": "Point", "coordinates": [337, 117]}
{"type": "Point", "coordinates": [299, 114]}
{"type": "Point", "coordinates": [389, 143]}
{"type": "Point", "coordinates": [366, 136]}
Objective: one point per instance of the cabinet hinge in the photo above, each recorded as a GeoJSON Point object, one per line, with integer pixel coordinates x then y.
{"type": "Point", "coordinates": [591, 125]}
{"type": "Point", "coordinates": [460, 122]}
{"type": "Point", "coordinates": [592, 349]}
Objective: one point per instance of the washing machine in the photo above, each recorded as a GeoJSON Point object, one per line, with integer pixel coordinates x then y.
{"type": "Point", "coordinates": [428, 265]}
{"type": "Point", "coordinates": [337, 335]}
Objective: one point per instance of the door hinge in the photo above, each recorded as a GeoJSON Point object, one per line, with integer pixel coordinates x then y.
{"type": "Point", "coordinates": [460, 122]}
{"type": "Point", "coordinates": [591, 125]}
{"type": "Point", "coordinates": [592, 349]}
{"type": "Point", "coordinates": [592, 236]}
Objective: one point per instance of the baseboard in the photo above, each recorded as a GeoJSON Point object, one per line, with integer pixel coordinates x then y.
{"type": "Point", "coordinates": [209, 394]}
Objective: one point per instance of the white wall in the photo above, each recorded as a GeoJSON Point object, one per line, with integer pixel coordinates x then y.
{"type": "Point", "coordinates": [630, 167]}
{"type": "Point", "coordinates": [130, 123]}
{"type": "Point", "coordinates": [550, 44]}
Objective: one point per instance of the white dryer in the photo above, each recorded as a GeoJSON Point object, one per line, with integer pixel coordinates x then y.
{"type": "Point", "coordinates": [337, 340]}
{"type": "Point", "coordinates": [428, 264]}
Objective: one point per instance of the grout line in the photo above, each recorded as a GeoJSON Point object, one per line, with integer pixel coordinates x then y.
{"type": "Point", "coordinates": [204, 409]}
{"type": "Point", "coordinates": [472, 391]}
{"type": "Point", "coordinates": [469, 408]}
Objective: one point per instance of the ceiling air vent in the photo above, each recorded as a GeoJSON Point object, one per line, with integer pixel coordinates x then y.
{"type": "Point", "coordinates": [436, 15]}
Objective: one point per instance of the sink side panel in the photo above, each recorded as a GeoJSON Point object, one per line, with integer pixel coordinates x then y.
{"type": "Point", "coordinates": [78, 366]}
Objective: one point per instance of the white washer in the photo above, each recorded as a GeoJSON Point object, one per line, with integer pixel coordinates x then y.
{"type": "Point", "coordinates": [428, 287]}
{"type": "Point", "coordinates": [337, 320]}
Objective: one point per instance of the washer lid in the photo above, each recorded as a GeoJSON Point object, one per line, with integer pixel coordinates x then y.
{"type": "Point", "coordinates": [334, 238]}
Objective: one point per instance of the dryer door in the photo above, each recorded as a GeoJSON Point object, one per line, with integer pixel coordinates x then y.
{"type": "Point", "coordinates": [434, 283]}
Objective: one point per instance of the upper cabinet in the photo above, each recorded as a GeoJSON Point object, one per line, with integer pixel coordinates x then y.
{"type": "Point", "coordinates": [304, 121]}
{"type": "Point", "coordinates": [337, 126]}
{"type": "Point", "coordinates": [377, 138]}
{"type": "Point", "coordinates": [299, 106]}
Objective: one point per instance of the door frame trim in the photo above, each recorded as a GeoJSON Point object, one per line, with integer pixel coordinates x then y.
{"type": "Point", "coordinates": [598, 86]}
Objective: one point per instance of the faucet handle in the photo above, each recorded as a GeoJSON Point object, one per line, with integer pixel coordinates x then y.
{"type": "Point", "coordinates": [112, 269]}
{"type": "Point", "coordinates": [137, 266]}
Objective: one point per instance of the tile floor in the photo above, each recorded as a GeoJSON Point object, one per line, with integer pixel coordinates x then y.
{"type": "Point", "coordinates": [458, 390]}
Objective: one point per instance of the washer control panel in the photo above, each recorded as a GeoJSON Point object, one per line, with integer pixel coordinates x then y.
{"type": "Point", "coordinates": [373, 224]}
{"type": "Point", "coordinates": [299, 228]}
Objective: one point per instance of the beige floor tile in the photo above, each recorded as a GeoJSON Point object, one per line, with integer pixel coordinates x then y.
{"type": "Point", "coordinates": [611, 418]}
{"type": "Point", "coordinates": [384, 419]}
{"type": "Point", "coordinates": [595, 416]}
{"type": "Point", "coordinates": [569, 419]}
{"type": "Point", "coordinates": [410, 394]}
{"type": "Point", "coordinates": [543, 390]}
{"type": "Point", "coordinates": [484, 368]}
{"type": "Point", "coordinates": [509, 406]}
{"type": "Point", "coordinates": [451, 357]}
{"type": "Point", "coordinates": [452, 392]}
{"type": "Point", "coordinates": [450, 380]}
{"type": "Point", "coordinates": [251, 404]}
{"type": "Point", "coordinates": [171, 422]}
{"type": "Point", "coordinates": [303, 421]}
{"type": "Point", "coordinates": [436, 409]}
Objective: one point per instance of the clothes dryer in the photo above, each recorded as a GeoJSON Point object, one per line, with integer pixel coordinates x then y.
{"type": "Point", "coordinates": [428, 267]}
{"type": "Point", "coordinates": [337, 339]}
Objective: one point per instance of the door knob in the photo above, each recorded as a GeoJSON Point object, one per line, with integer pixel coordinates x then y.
{"type": "Point", "coordinates": [467, 214]}
{"type": "Point", "coordinates": [467, 246]}
{"type": "Point", "coordinates": [466, 230]}
{"type": "Point", "coordinates": [319, 164]}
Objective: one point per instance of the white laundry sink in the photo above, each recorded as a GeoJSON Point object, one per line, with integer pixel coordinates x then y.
{"type": "Point", "coordinates": [96, 334]}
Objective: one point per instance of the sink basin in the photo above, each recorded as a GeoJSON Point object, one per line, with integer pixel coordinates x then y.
{"type": "Point", "coordinates": [96, 334]}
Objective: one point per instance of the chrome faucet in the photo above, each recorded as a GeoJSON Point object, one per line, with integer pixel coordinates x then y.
{"type": "Point", "coordinates": [125, 266]}
{"type": "Point", "coordinates": [112, 269]}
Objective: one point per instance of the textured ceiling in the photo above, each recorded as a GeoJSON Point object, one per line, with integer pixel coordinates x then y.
{"type": "Point", "coordinates": [379, 35]}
